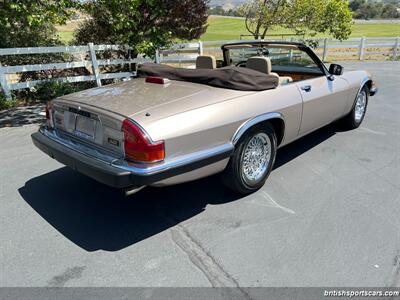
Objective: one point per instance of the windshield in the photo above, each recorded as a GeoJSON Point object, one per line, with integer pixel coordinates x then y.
{"type": "Point", "coordinates": [282, 58]}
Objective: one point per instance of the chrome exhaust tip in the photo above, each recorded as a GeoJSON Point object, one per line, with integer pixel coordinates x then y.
{"type": "Point", "coordinates": [133, 190]}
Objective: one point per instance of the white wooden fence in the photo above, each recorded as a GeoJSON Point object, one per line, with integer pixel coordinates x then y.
{"type": "Point", "coordinates": [184, 53]}
{"type": "Point", "coordinates": [359, 46]}
{"type": "Point", "coordinates": [93, 64]}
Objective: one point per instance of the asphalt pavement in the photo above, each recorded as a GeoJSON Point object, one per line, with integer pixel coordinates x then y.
{"type": "Point", "coordinates": [329, 215]}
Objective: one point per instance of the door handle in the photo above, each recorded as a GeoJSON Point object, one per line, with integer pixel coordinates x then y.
{"type": "Point", "coordinates": [306, 88]}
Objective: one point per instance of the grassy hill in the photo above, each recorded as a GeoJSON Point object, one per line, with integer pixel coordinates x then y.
{"type": "Point", "coordinates": [225, 28]}
{"type": "Point", "coordinates": [221, 28]}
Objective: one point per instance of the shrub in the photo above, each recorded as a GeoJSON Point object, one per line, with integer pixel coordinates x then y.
{"type": "Point", "coordinates": [53, 89]}
{"type": "Point", "coordinates": [4, 103]}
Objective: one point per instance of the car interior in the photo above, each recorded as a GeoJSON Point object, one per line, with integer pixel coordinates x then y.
{"type": "Point", "coordinates": [246, 67]}
{"type": "Point", "coordinates": [287, 62]}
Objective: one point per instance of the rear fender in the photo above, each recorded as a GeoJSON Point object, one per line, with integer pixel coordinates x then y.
{"type": "Point", "coordinates": [271, 116]}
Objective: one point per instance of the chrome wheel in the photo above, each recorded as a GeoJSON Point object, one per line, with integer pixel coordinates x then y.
{"type": "Point", "coordinates": [361, 104]}
{"type": "Point", "coordinates": [255, 158]}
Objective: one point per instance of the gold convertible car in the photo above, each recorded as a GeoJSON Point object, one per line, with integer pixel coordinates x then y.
{"type": "Point", "coordinates": [172, 125]}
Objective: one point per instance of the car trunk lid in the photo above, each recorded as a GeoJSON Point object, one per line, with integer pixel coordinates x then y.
{"type": "Point", "coordinates": [136, 97]}
{"type": "Point", "coordinates": [95, 116]}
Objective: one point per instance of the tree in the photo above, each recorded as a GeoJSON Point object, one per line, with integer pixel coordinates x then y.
{"type": "Point", "coordinates": [218, 10]}
{"type": "Point", "coordinates": [143, 24]}
{"type": "Point", "coordinates": [368, 11]}
{"type": "Point", "coordinates": [302, 16]}
{"type": "Point", "coordinates": [30, 23]}
{"type": "Point", "coordinates": [371, 10]}
{"type": "Point", "coordinates": [390, 11]}
{"type": "Point", "coordinates": [354, 5]}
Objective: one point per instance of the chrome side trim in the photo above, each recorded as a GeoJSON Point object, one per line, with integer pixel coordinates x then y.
{"type": "Point", "coordinates": [253, 121]}
{"type": "Point", "coordinates": [150, 169]}
{"type": "Point", "coordinates": [363, 82]}
{"type": "Point", "coordinates": [142, 169]}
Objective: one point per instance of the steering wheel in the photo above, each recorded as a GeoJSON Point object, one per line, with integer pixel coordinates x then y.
{"type": "Point", "coordinates": [241, 63]}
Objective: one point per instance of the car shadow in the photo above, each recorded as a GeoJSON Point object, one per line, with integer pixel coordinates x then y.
{"type": "Point", "coordinates": [24, 115]}
{"type": "Point", "coordinates": [302, 145]}
{"type": "Point", "coordinates": [94, 216]}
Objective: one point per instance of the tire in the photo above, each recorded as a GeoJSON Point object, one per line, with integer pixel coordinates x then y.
{"type": "Point", "coordinates": [257, 149]}
{"type": "Point", "coordinates": [354, 119]}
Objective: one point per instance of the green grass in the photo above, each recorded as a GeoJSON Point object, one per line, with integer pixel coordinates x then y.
{"type": "Point", "coordinates": [66, 36]}
{"type": "Point", "coordinates": [66, 32]}
{"type": "Point", "coordinates": [220, 28]}
{"type": "Point", "coordinates": [376, 30]}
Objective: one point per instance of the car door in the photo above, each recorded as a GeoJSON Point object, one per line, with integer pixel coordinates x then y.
{"type": "Point", "coordinates": [324, 101]}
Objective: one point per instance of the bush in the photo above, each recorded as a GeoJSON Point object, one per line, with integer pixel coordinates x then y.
{"type": "Point", "coordinates": [53, 89]}
{"type": "Point", "coordinates": [42, 93]}
{"type": "Point", "coordinates": [4, 103]}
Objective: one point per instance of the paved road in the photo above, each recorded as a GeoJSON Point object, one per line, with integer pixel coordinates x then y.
{"type": "Point", "coordinates": [328, 216]}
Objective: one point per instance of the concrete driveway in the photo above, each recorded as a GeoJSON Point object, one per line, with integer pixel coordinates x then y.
{"type": "Point", "coordinates": [329, 215]}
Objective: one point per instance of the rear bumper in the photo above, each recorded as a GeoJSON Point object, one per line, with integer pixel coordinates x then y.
{"type": "Point", "coordinates": [120, 174]}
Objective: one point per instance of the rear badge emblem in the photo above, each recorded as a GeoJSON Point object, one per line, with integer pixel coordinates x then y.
{"type": "Point", "coordinates": [113, 142]}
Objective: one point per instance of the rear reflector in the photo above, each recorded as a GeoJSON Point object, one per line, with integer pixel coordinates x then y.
{"type": "Point", "coordinates": [158, 80]}
{"type": "Point", "coordinates": [137, 145]}
{"type": "Point", "coordinates": [49, 115]}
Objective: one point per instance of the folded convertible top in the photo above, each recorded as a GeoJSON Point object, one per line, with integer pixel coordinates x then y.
{"type": "Point", "coordinates": [235, 78]}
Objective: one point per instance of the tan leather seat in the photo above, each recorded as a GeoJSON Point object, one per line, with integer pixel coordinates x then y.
{"type": "Point", "coordinates": [260, 63]}
{"type": "Point", "coordinates": [263, 64]}
{"type": "Point", "coordinates": [206, 62]}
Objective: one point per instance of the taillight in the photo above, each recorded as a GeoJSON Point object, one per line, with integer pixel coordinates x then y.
{"type": "Point", "coordinates": [158, 80]}
{"type": "Point", "coordinates": [137, 145]}
{"type": "Point", "coordinates": [49, 116]}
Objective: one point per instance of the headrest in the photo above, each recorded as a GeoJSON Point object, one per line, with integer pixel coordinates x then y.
{"type": "Point", "coordinates": [259, 63]}
{"type": "Point", "coordinates": [206, 62]}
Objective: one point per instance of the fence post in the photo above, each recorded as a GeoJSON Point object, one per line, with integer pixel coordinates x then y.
{"type": "Point", "coordinates": [361, 50]}
{"type": "Point", "coordinates": [200, 48]}
{"type": "Point", "coordinates": [157, 56]}
{"type": "Point", "coordinates": [291, 52]}
{"type": "Point", "coordinates": [396, 48]}
{"type": "Point", "coordinates": [325, 53]}
{"type": "Point", "coordinates": [95, 64]}
{"type": "Point", "coordinates": [4, 83]}
{"type": "Point", "coordinates": [129, 51]}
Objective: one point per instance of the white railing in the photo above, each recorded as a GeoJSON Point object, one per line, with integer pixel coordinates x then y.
{"type": "Point", "coordinates": [93, 64]}
{"type": "Point", "coordinates": [357, 48]}
{"type": "Point", "coordinates": [184, 53]}
{"type": "Point", "coordinates": [180, 53]}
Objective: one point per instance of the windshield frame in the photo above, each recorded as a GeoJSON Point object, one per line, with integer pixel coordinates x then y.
{"type": "Point", "coordinates": [271, 44]}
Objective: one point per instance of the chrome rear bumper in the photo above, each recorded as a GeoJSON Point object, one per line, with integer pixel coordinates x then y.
{"type": "Point", "coordinates": [117, 172]}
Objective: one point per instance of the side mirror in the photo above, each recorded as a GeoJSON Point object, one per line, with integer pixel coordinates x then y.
{"type": "Point", "coordinates": [335, 69]}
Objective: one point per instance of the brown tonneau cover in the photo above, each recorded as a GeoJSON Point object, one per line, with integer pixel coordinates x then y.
{"type": "Point", "coordinates": [231, 77]}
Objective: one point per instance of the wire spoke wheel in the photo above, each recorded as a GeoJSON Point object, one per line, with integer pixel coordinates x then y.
{"type": "Point", "coordinates": [361, 103]}
{"type": "Point", "coordinates": [355, 117]}
{"type": "Point", "coordinates": [255, 159]}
